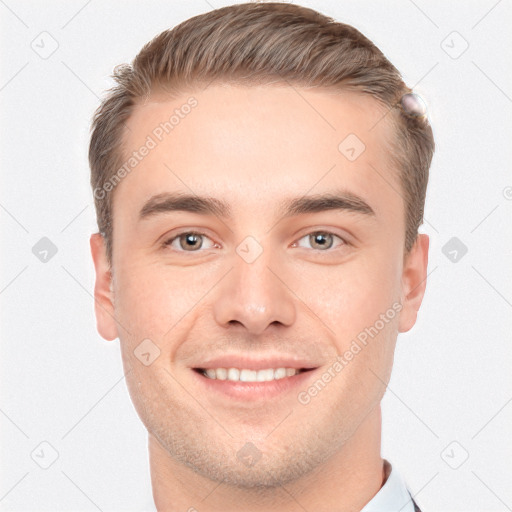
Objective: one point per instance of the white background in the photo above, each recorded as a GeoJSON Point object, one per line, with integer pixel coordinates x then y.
{"type": "Point", "coordinates": [61, 383]}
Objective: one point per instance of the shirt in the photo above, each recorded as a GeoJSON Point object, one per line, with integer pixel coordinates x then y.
{"type": "Point", "coordinates": [393, 496]}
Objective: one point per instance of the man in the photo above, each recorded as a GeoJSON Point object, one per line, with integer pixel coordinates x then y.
{"type": "Point", "coordinates": [259, 175]}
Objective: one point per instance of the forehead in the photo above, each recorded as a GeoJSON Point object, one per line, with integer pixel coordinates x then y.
{"type": "Point", "coordinates": [252, 146]}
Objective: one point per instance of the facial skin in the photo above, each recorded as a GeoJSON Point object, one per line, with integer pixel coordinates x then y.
{"type": "Point", "coordinates": [253, 147]}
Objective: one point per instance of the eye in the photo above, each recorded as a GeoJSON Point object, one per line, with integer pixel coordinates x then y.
{"type": "Point", "coordinates": [188, 241]}
{"type": "Point", "coordinates": [321, 240]}
{"type": "Point", "coordinates": [192, 241]}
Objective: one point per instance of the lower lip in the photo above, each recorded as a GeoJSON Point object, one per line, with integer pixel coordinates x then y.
{"type": "Point", "coordinates": [255, 390]}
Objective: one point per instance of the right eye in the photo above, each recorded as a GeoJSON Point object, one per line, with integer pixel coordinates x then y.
{"type": "Point", "coordinates": [188, 241]}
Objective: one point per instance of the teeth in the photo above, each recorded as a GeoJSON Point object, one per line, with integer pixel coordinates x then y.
{"type": "Point", "coordinates": [211, 374]}
{"type": "Point", "coordinates": [264, 375]}
{"type": "Point", "coordinates": [221, 374]}
{"type": "Point", "coordinates": [233, 374]}
{"type": "Point", "coordinates": [280, 373]}
{"type": "Point", "coordinates": [248, 375]}
{"type": "Point", "coordinates": [244, 375]}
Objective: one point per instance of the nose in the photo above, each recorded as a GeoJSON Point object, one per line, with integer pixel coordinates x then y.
{"type": "Point", "coordinates": [254, 295]}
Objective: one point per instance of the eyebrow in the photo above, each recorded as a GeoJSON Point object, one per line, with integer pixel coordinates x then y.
{"type": "Point", "coordinates": [340, 200]}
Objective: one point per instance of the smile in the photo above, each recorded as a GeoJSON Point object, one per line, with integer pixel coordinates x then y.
{"type": "Point", "coordinates": [245, 385]}
{"type": "Point", "coordinates": [246, 375]}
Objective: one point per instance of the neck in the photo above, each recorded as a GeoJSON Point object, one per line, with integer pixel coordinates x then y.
{"type": "Point", "coordinates": [345, 482]}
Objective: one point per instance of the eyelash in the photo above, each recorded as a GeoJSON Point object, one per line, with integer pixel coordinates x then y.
{"type": "Point", "coordinates": [169, 241]}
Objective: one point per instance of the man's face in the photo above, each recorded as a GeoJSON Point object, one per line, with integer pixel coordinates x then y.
{"type": "Point", "coordinates": [255, 288]}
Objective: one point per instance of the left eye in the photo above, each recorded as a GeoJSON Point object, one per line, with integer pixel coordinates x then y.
{"type": "Point", "coordinates": [321, 240]}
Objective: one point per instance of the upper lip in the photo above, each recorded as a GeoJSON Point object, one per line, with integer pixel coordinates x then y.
{"type": "Point", "coordinates": [252, 363]}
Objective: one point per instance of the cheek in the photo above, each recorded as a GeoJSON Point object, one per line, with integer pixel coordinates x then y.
{"type": "Point", "coordinates": [155, 301]}
{"type": "Point", "coordinates": [350, 297]}
{"type": "Point", "coordinates": [152, 391]}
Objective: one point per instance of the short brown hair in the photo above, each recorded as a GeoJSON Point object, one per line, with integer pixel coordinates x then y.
{"type": "Point", "coordinates": [261, 43]}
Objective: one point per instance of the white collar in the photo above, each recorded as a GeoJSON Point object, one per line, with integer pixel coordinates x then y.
{"type": "Point", "coordinates": [393, 496]}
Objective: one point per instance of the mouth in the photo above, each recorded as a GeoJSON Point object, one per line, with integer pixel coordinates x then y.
{"type": "Point", "coordinates": [247, 375]}
{"type": "Point", "coordinates": [249, 385]}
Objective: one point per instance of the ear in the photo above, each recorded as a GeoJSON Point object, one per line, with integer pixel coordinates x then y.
{"type": "Point", "coordinates": [103, 296]}
{"type": "Point", "coordinates": [414, 282]}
